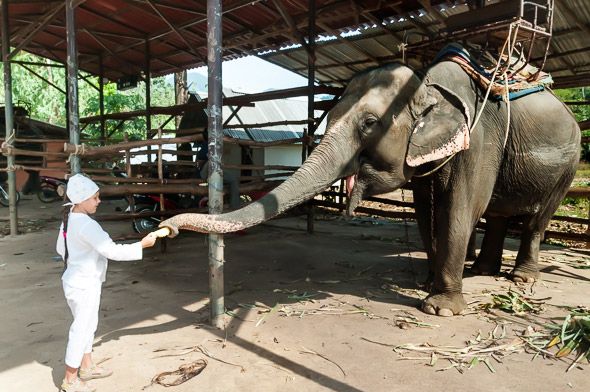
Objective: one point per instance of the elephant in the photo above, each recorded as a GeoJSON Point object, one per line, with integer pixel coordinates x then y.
{"type": "Point", "coordinates": [392, 125]}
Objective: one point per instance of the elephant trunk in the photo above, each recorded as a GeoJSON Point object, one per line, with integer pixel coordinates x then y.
{"type": "Point", "coordinates": [328, 162]}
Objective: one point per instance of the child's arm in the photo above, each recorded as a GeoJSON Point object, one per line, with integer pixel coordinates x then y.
{"type": "Point", "coordinates": [149, 240]}
{"type": "Point", "coordinates": [99, 239]}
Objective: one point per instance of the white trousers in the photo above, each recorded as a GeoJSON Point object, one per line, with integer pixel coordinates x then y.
{"type": "Point", "coordinates": [84, 304]}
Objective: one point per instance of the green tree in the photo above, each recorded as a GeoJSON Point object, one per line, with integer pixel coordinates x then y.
{"type": "Point", "coordinates": [46, 103]}
{"type": "Point", "coordinates": [582, 112]}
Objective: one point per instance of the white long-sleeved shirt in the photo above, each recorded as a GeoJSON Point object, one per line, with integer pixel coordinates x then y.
{"type": "Point", "coordinates": [89, 247]}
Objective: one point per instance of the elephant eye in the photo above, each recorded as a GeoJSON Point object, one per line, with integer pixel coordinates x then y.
{"type": "Point", "coordinates": [427, 110]}
{"type": "Point", "coordinates": [368, 123]}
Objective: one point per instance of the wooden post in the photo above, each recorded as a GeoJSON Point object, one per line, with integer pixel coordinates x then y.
{"type": "Point", "coordinates": [72, 79]}
{"type": "Point", "coordinates": [342, 194]}
{"type": "Point", "coordinates": [148, 95]}
{"type": "Point", "coordinates": [310, 95]}
{"type": "Point", "coordinates": [9, 120]}
{"type": "Point", "coordinates": [130, 198]}
{"type": "Point", "coordinates": [161, 178]}
{"type": "Point", "coordinates": [180, 92]}
{"type": "Point", "coordinates": [101, 101]}
{"type": "Point", "coordinates": [214, 105]}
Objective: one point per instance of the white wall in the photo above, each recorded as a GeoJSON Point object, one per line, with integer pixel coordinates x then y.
{"type": "Point", "coordinates": [282, 155]}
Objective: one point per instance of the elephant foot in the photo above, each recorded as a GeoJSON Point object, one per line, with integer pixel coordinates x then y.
{"type": "Point", "coordinates": [519, 276]}
{"type": "Point", "coordinates": [478, 270]}
{"type": "Point", "coordinates": [485, 268]}
{"type": "Point", "coordinates": [444, 305]}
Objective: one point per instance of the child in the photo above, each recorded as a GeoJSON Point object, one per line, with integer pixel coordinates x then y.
{"type": "Point", "coordinates": [85, 248]}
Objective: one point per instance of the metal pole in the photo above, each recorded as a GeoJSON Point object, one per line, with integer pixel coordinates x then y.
{"type": "Point", "coordinates": [310, 95]}
{"type": "Point", "coordinates": [214, 105]}
{"type": "Point", "coordinates": [72, 79]}
{"type": "Point", "coordinates": [9, 119]}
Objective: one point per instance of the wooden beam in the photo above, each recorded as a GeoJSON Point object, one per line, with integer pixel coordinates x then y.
{"type": "Point", "coordinates": [242, 100]}
{"type": "Point", "coordinates": [112, 190]}
{"type": "Point", "coordinates": [115, 148]}
{"type": "Point", "coordinates": [190, 23]}
{"type": "Point", "coordinates": [176, 31]}
{"type": "Point", "coordinates": [266, 124]}
{"type": "Point", "coordinates": [42, 22]}
{"type": "Point", "coordinates": [43, 79]}
{"type": "Point", "coordinates": [580, 80]}
{"type": "Point", "coordinates": [573, 103]}
{"type": "Point", "coordinates": [296, 34]}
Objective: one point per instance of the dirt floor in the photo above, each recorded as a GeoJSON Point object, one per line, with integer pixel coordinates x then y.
{"type": "Point", "coordinates": [328, 311]}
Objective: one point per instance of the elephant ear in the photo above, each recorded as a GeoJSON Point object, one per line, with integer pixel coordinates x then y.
{"type": "Point", "coordinates": [441, 130]}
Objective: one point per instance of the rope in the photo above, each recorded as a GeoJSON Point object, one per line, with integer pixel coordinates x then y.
{"type": "Point", "coordinates": [402, 48]}
{"type": "Point", "coordinates": [7, 143]}
{"type": "Point", "coordinates": [508, 111]}
{"type": "Point", "coordinates": [511, 43]}
{"type": "Point", "coordinates": [80, 149]}
{"type": "Point", "coordinates": [436, 168]}
{"type": "Point", "coordinates": [11, 138]}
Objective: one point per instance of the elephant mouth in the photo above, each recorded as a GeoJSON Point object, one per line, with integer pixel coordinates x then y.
{"type": "Point", "coordinates": [350, 181]}
{"type": "Point", "coordinates": [355, 190]}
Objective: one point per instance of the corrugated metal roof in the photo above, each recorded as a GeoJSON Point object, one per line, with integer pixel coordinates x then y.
{"type": "Point", "coordinates": [568, 57]}
{"type": "Point", "coordinates": [261, 135]}
{"type": "Point", "coordinates": [351, 35]}
{"type": "Point", "coordinates": [276, 110]}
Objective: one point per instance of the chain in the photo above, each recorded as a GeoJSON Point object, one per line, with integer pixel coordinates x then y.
{"type": "Point", "coordinates": [432, 239]}
{"type": "Point", "coordinates": [407, 241]}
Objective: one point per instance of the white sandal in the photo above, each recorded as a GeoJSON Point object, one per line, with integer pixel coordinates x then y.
{"type": "Point", "coordinates": [94, 372]}
{"type": "Point", "coordinates": [76, 386]}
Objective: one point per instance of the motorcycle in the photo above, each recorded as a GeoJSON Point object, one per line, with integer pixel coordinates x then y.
{"type": "Point", "coordinates": [51, 189]}
{"type": "Point", "coordinates": [4, 196]}
{"type": "Point", "coordinates": [151, 203]}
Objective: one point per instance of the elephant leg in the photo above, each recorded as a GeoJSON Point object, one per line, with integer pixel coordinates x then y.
{"type": "Point", "coordinates": [489, 260]}
{"type": "Point", "coordinates": [423, 209]}
{"type": "Point", "coordinates": [526, 268]}
{"type": "Point", "coordinates": [471, 246]}
{"type": "Point", "coordinates": [446, 298]}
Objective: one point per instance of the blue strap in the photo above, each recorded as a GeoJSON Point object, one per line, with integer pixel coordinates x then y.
{"type": "Point", "coordinates": [521, 93]}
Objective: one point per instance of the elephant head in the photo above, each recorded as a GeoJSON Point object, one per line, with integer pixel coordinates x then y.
{"type": "Point", "coordinates": [388, 124]}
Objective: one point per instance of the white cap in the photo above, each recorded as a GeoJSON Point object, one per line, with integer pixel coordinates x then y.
{"type": "Point", "coordinates": [80, 188]}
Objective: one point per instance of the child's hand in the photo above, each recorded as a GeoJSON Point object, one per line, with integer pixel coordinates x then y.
{"type": "Point", "coordinates": [149, 240]}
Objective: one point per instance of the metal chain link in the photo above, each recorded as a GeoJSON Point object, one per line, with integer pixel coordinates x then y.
{"type": "Point", "coordinates": [407, 241]}
{"type": "Point", "coordinates": [432, 239]}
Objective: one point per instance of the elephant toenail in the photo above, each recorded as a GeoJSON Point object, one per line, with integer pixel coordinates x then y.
{"type": "Point", "coordinates": [445, 312]}
{"type": "Point", "coordinates": [428, 309]}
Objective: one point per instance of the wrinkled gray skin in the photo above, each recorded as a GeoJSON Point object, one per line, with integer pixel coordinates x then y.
{"type": "Point", "coordinates": [389, 118]}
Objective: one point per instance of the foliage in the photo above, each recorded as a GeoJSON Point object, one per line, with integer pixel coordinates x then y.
{"type": "Point", "coordinates": [46, 103]}
{"type": "Point", "coordinates": [571, 336]}
{"type": "Point", "coordinates": [512, 302]}
{"type": "Point", "coordinates": [582, 112]}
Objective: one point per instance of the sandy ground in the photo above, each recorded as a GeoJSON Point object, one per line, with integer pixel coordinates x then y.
{"type": "Point", "coordinates": [305, 313]}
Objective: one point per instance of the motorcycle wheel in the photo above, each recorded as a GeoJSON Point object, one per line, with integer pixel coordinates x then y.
{"type": "Point", "coordinates": [4, 198]}
{"type": "Point", "coordinates": [47, 194]}
{"type": "Point", "coordinates": [145, 225]}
